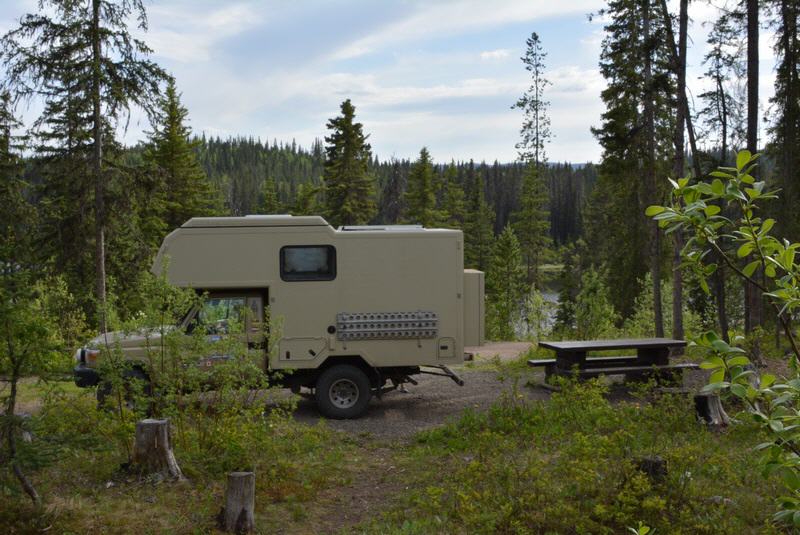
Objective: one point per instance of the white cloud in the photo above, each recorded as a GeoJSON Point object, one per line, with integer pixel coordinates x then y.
{"type": "Point", "coordinates": [500, 53]}
{"type": "Point", "coordinates": [185, 34]}
{"type": "Point", "coordinates": [457, 16]}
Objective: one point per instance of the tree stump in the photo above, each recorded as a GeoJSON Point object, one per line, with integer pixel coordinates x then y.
{"type": "Point", "coordinates": [237, 515]}
{"type": "Point", "coordinates": [152, 449]}
{"type": "Point", "coordinates": [655, 468]}
{"type": "Point", "coordinates": [710, 411]}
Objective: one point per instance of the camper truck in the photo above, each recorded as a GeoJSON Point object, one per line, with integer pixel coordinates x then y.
{"type": "Point", "coordinates": [363, 308]}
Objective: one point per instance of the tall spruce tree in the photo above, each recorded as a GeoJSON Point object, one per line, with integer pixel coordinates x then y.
{"type": "Point", "coordinates": [25, 335]}
{"type": "Point", "coordinates": [532, 222]}
{"type": "Point", "coordinates": [349, 188]}
{"type": "Point", "coordinates": [535, 131]}
{"type": "Point", "coordinates": [452, 198]}
{"type": "Point", "coordinates": [506, 285]}
{"type": "Point", "coordinates": [109, 72]}
{"type": "Point", "coordinates": [785, 130]}
{"type": "Point", "coordinates": [723, 113]}
{"type": "Point", "coordinates": [185, 190]}
{"type": "Point", "coordinates": [478, 224]}
{"type": "Point", "coordinates": [635, 137]}
{"type": "Point", "coordinates": [392, 203]}
{"type": "Point", "coordinates": [420, 195]}
{"type": "Point", "coordinates": [269, 192]}
{"type": "Point", "coordinates": [532, 219]}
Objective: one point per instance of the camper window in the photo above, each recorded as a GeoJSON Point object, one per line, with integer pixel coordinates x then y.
{"type": "Point", "coordinates": [308, 263]}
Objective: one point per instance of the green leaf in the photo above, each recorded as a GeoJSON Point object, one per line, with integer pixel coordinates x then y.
{"type": "Point", "coordinates": [767, 225]}
{"type": "Point", "coordinates": [767, 380]}
{"type": "Point", "coordinates": [654, 210]}
{"type": "Point", "coordinates": [738, 361]}
{"type": "Point", "coordinates": [712, 209]}
{"type": "Point", "coordinates": [742, 159]}
{"type": "Point", "coordinates": [717, 187]}
{"type": "Point", "coordinates": [750, 268]}
{"type": "Point", "coordinates": [720, 174]}
{"type": "Point", "coordinates": [747, 179]}
{"type": "Point", "coordinates": [769, 271]}
{"type": "Point", "coordinates": [717, 376]}
{"type": "Point", "coordinates": [744, 250]}
{"type": "Point", "coordinates": [739, 391]}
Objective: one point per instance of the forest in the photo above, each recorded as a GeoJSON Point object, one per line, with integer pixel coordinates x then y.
{"type": "Point", "coordinates": [686, 228]}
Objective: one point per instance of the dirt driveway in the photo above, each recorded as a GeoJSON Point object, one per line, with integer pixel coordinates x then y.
{"type": "Point", "coordinates": [434, 401]}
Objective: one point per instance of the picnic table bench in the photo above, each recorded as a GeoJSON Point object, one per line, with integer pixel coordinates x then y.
{"type": "Point", "coordinates": [651, 358]}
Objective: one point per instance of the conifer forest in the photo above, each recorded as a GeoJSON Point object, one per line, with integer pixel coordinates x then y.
{"type": "Point", "coordinates": [686, 227]}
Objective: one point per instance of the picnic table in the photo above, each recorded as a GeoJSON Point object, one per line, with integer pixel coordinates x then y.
{"type": "Point", "coordinates": [651, 358]}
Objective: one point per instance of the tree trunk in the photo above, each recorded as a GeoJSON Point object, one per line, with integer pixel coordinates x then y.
{"type": "Point", "coordinates": [97, 171]}
{"type": "Point", "coordinates": [719, 295]}
{"type": "Point", "coordinates": [710, 411]}
{"type": "Point", "coordinates": [678, 170]}
{"type": "Point", "coordinates": [152, 449]}
{"type": "Point", "coordinates": [650, 171]}
{"type": "Point", "coordinates": [683, 101]}
{"type": "Point", "coordinates": [752, 296]}
{"type": "Point", "coordinates": [237, 515]}
{"type": "Point", "coordinates": [10, 432]}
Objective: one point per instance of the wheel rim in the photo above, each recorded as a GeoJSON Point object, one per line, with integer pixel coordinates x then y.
{"type": "Point", "coordinates": [343, 393]}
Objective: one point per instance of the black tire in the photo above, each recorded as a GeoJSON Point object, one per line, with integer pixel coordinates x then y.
{"type": "Point", "coordinates": [342, 392]}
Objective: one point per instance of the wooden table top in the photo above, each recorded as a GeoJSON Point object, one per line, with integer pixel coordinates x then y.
{"type": "Point", "coordinates": [581, 346]}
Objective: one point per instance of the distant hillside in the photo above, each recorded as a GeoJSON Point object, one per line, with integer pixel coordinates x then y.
{"type": "Point", "coordinates": [239, 167]}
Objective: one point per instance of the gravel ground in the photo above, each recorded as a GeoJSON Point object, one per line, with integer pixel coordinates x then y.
{"type": "Point", "coordinates": [434, 401]}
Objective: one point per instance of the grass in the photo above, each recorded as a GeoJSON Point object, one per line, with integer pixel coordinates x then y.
{"type": "Point", "coordinates": [563, 465]}
{"type": "Point", "coordinates": [569, 465]}
{"type": "Point", "coordinates": [76, 462]}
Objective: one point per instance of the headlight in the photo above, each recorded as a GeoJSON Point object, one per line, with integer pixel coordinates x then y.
{"type": "Point", "coordinates": [87, 356]}
{"type": "Point", "coordinates": [91, 356]}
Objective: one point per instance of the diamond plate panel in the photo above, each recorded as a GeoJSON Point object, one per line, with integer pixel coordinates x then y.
{"type": "Point", "coordinates": [386, 325]}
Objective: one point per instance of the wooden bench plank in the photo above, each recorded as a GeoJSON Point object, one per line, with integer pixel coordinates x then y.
{"type": "Point", "coordinates": [534, 363]}
{"type": "Point", "coordinates": [624, 370]}
{"type": "Point", "coordinates": [582, 346]}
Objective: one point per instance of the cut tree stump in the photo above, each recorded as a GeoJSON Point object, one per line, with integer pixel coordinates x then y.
{"type": "Point", "coordinates": [710, 410]}
{"type": "Point", "coordinates": [654, 467]}
{"type": "Point", "coordinates": [237, 515]}
{"type": "Point", "coordinates": [152, 449]}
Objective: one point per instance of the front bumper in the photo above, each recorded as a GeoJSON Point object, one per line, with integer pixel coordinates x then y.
{"type": "Point", "coordinates": [85, 376]}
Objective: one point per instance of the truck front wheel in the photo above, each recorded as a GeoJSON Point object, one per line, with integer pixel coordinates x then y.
{"type": "Point", "coordinates": [342, 392]}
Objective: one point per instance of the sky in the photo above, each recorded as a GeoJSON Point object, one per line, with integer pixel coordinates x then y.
{"type": "Point", "coordinates": [437, 73]}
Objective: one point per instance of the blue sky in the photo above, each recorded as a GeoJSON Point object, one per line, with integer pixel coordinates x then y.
{"type": "Point", "coordinates": [436, 73]}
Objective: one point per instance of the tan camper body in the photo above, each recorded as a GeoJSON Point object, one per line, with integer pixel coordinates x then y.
{"type": "Point", "coordinates": [393, 296]}
{"type": "Point", "coordinates": [360, 310]}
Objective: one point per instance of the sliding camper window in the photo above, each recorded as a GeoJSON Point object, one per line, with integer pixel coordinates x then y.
{"type": "Point", "coordinates": [308, 263]}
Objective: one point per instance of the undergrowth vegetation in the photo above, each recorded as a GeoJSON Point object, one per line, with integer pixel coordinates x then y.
{"type": "Point", "coordinates": [75, 459]}
{"type": "Point", "coordinates": [572, 465]}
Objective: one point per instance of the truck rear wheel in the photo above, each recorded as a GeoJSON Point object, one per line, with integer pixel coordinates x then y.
{"type": "Point", "coordinates": [342, 392]}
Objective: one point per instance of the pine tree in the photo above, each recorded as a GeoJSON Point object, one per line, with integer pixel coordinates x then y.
{"type": "Point", "coordinates": [392, 205]}
{"type": "Point", "coordinates": [785, 130]}
{"type": "Point", "coordinates": [532, 223]}
{"type": "Point", "coordinates": [535, 130]}
{"type": "Point", "coordinates": [532, 220]}
{"type": "Point", "coordinates": [89, 44]}
{"type": "Point", "coordinates": [349, 188]}
{"type": "Point", "coordinates": [636, 136]}
{"type": "Point", "coordinates": [22, 340]}
{"type": "Point", "coordinates": [306, 202]}
{"type": "Point", "coordinates": [478, 225]}
{"type": "Point", "coordinates": [723, 109]}
{"type": "Point", "coordinates": [506, 285]}
{"type": "Point", "coordinates": [269, 192]}
{"type": "Point", "coordinates": [185, 190]}
{"type": "Point", "coordinates": [453, 198]}
{"type": "Point", "coordinates": [420, 194]}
